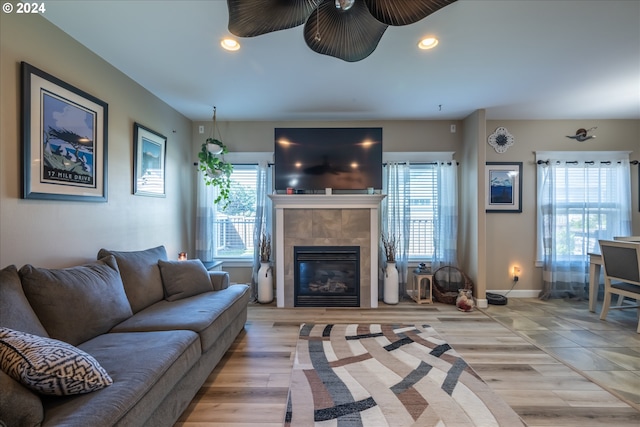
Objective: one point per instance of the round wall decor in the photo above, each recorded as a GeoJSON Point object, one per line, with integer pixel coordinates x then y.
{"type": "Point", "coordinates": [501, 139]}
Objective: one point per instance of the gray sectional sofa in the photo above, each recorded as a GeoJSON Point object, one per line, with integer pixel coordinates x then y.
{"type": "Point", "coordinates": [138, 337]}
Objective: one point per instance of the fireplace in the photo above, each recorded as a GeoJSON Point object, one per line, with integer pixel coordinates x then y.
{"type": "Point", "coordinates": [326, 276]}
{"type": "Point", "coordinates": [326, 220]}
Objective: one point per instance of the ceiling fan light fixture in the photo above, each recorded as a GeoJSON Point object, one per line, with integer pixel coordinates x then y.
{"type": "Point", "coordinates": [428, 43]}
{"type": "Point", "coordinates": [230, 44]}
{"type": "Point", "coordinates": [346, 29]}
{"type": "Point", "coordinates": [344, 4]}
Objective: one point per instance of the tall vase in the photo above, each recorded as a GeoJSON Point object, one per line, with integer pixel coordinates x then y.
{"type": "Point", "coordinates": [265, 283]}
{"type": "Point", "coordinates": [391, 293]}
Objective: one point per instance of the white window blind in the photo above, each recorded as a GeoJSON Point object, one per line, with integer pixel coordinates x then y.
{"type": "Point", "coordinates": [423, 199]}
{"type": "Point", "coordinates": [233, 225]}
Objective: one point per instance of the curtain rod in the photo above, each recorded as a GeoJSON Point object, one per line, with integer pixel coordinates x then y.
{"type": "Point", "coordinates": [383, 164]}
{"type": "Point", "coordinates": [421, 163]}
{"type": "Point", "coordinates": [590, 162]}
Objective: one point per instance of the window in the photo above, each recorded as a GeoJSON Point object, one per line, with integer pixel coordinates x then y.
{"type": "Point", "coordinates": [423, 208]}
{"type": "Point", "coordinates": [580, 202]}
{"type": "Point", "coordinates": [234, 225]}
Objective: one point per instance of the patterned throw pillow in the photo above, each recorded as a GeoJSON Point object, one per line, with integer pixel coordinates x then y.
{"type": "Point", "coordinates": [49, 366]}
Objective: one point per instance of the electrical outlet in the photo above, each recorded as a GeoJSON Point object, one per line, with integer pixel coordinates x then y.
{"type": "Point", "coordinates": [201, 129]}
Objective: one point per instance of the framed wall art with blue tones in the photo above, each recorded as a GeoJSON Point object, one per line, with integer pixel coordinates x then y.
{"type": "Point", "coordinates": [503, 187]}
{"type": "Point", "coordinates": [64, 140]}
{"type": "Point", "coordinates": [149, 159]}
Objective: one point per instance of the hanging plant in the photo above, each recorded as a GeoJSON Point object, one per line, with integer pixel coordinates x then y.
{"type": "Point", "coordinates": [217, 172]}
{"type": "Point", "coordinates": [215, 146]}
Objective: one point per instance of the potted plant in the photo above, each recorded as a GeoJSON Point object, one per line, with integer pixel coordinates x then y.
{"type": "Point", "coordinates": [217, 171]}
{"type": "Point", "coordinates": [391, 293]}
{"type": "Point", "coordinates": [265, 276]}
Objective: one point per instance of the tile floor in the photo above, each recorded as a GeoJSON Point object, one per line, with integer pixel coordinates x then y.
{"type": "Point", "coordinates": [606, 352]}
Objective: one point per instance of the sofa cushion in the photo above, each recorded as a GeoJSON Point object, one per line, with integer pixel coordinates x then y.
{"type": "Point", "coordinates": [49, 366]}
{"type": "Point", "coordinates": [78, 303]}
{"type": "Point", "coordinates": [145, 368]}
{"type": "Point", "coordinates": [15, 310]}
{"type": "Point", "coordinates": [182, 279]}
{"type": "Point", "coordinates": [140, 275]}
{"type": "Point", "coordinates": [19, 406]}
{"type": "Point", "coordinates": [208, 314]}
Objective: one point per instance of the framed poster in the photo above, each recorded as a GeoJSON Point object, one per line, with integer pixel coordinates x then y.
{"type": "Point", "coordinates": [149, 150]}
{"type": "Point", "coordinates": [64, 140]}
{"type": "Point", "coordinates": [503, 187]}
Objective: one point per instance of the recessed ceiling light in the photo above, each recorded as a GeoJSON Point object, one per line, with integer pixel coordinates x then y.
{"type": "Point", "coordinates": [428, 43]}
{"type": "Point", "coordinates": [230, 44]}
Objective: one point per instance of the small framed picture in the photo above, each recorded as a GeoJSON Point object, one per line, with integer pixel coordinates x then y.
{"type": "Point", "coordinates": [149, 150]}
{"type": "Point", "coordinates": [64, 140]}
{"type": "Point", "coordinates": [503, 187]}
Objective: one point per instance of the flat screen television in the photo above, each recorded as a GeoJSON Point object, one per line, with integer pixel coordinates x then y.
{"type": "Point", "coordinates": [311, 159]}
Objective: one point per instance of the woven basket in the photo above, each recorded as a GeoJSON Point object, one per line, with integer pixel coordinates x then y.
{"type": "Point", "coordinates": [447, 281]}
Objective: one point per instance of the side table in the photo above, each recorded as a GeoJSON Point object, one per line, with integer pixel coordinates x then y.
{"type": "Point", "coordinates": [213, 265]}
{"type": "Point", "coordinates": [420, 292]}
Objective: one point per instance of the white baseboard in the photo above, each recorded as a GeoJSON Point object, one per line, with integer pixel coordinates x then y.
{"type": "Point", "coordinates": [524, 293]}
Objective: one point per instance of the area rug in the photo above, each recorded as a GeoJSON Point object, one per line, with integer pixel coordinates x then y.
{"type": "Point", "coordinates": [387, 375]}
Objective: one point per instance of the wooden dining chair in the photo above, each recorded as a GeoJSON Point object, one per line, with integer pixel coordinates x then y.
{"type": "Point", "coordinates": [621, 262]}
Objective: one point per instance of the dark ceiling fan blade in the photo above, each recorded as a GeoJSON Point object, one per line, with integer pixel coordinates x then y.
{"type": "Point", "coordinates": [404, 12]}
{"type": "Point", "coordinates": [250, 18]}
{"type": "Point", "coordinates": [350, 35]}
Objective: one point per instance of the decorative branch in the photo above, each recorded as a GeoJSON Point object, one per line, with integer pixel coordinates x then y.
{"type": "Point", "coordinates": [389, 244]}
{"type": "Point", "coordinates": [265, 247]}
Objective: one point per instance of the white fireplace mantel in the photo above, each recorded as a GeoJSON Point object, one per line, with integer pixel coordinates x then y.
{"type": "Point", "coordinates": [325, 201]}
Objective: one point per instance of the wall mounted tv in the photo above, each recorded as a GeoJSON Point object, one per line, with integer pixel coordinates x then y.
{"type": "Point", "coordinates": [311, 159]}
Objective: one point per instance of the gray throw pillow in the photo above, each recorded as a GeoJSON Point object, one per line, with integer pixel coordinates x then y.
{"type": "Point", "coordinates": [182, 279]}
{"type": "Point", "coordinates": [140, 275]}
{"type": "Point", "coordinates": [15, 310]}
{"type": "Point", "coordinates": [79, 303]}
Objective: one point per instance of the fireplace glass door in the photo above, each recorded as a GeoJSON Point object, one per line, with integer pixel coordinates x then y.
{"type": "Point", "coordinates": [327, 276]}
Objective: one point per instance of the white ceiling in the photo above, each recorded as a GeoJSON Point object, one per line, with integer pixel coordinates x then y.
{"type": "Point", "coordinates": [518, 59]}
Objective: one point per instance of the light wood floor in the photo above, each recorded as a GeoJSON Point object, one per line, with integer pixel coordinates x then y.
{"type": "Point", "coordinates": [554, 362]}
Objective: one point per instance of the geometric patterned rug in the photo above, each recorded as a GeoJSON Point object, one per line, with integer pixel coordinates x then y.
{"type": "Point", "coordinates": [387, 375]}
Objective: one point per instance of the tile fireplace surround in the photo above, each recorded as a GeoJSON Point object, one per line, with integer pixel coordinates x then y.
{"type": "Point", "coordinates": [326, 220]}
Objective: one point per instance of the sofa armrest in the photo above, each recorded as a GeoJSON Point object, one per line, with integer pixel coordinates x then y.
{"type": "Point", "coordinates": [219, 280]}
{"type": "Point", "coordinates": [19, 406]}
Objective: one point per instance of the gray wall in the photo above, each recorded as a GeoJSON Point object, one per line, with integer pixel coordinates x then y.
{"type": "Point", "coordinates": [489, 244]}
{"type": "Point", "coordinates": [511, 237]}
{"type": "Point", "coordinates": [61, 233]}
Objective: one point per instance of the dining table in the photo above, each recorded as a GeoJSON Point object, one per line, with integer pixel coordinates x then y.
{"type": "Point", "coordinates": [595, 265]}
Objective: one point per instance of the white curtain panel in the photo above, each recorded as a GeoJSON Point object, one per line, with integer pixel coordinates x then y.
{"type": "Point", "coordinates": [263, 219]}
{"type": "Point", "coordinates": [579, 203]}
{"type": "Point", "coordinates": [446, 229]}
{"type": "Point", "coordinates": [205, 219]}
{"type": "Point", "coordinates": [394, 209]}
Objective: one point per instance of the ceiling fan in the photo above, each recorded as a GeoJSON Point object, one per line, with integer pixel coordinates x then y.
{"type": "Point", "coordinates": [345, 29]}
